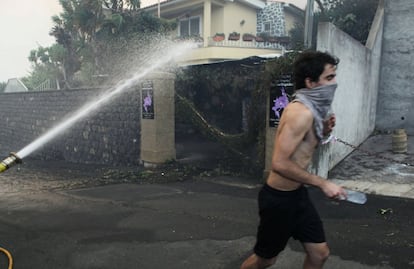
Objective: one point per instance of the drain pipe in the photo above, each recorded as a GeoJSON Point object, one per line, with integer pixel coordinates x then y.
{"type": "Point", "coordinates": [9, 162]}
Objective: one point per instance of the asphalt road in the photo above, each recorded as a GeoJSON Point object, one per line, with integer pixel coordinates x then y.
{"type": "Point", "coordinates": [203, 223]}
{"type": "Point", "coordinates": [57, 215]}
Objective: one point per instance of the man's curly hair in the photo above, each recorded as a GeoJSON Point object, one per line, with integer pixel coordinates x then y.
{"type": "Point", "coordinates": [311, 64]}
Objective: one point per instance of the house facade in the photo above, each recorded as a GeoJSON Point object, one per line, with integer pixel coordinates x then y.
{"type": "Point", "coordinates": [230, 29]}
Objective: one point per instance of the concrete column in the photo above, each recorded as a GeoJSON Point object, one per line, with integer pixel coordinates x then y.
{"type": "Point", "coordinates": [157, 123]}
{"type": "Point", "coordinates": [207, 22]}
{"type": "Point", "coordinates": [269, 142]}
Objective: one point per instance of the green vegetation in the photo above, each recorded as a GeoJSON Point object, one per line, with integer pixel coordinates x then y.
{"type": "Point", "coordinates": [89, 35]}
{"type": "Point", "coordinates": [209, 99]}
{"type": "Point", "coordinates": [354, 17]}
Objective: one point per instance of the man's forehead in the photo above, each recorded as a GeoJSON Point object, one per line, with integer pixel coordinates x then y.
{"type": "Point", "coordinates": [329, 68]}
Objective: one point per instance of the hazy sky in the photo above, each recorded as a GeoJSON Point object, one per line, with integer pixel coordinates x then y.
{"type": "Point", "coordinates": [25, 25]}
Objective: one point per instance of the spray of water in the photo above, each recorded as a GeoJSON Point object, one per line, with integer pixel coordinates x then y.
{"type": "Point", "coordinates": [157, 60]}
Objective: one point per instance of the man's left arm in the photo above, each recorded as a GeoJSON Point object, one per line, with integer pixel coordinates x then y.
{"type": "Point", "coordinates": [329, 124]}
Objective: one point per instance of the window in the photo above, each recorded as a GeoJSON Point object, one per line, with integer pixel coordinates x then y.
{"type": "Point", "coordinates": [267, 27]}
{"type": "Point", "coordinates": [190, 27]}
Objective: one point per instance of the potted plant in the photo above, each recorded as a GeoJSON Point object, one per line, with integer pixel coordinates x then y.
{"type": "Point", "coordinates": [218, 37]}
{"type": "Point", "coordinates": [259, 39]}
{"type": "Point", "coordinates": [248, 37]}
{"type": "Point", "coordinates": [234, 36]}
{"type": "Point", "coordinates": [273, 39]}
{"type": "Point", "coordinates": [196, 38]}
{"type": "Point", "coordinates": [284, 40]}
{"type": "Point", "coordinates": [262, 37]}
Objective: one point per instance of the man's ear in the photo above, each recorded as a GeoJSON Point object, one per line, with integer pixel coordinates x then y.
{"type": "Point", "coordinates": [309, 83]}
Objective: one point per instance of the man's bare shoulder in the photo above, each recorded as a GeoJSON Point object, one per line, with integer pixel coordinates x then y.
{"type": "Point", "coordinates": [296, 120]}
{"type": "Point", "coordinates": [298, 111]}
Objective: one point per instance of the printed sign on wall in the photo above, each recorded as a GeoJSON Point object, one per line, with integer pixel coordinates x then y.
{"type": "Point", "coordinates": [147, 100]}
{"type": "Point", "coordinates": [279, 99]}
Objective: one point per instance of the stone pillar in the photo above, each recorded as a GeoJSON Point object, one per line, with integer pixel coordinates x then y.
{"type": "Point", "coordinates": [158, 116]}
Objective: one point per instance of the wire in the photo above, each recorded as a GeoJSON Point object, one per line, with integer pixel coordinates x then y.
{"type": "Point", "coordinates": [7, 253]}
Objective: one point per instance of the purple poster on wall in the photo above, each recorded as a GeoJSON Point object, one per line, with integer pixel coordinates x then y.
{"type": "Point", "coordinates": [147, 100]}
{"type": "Point", "coordinates": [279, 99]}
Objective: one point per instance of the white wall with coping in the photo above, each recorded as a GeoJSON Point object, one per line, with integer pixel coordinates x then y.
{"type": "Point", "coordinates": [357, 94]}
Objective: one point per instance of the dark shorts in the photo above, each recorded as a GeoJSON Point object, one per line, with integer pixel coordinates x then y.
{"type": "Point", "coordinates": [285, 214]}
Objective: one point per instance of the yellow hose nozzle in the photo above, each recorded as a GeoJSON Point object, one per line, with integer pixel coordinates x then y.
{"type": "Point", "coordinates": [2, 167]}
{"type": "Point", "coordinates": [9, 162]}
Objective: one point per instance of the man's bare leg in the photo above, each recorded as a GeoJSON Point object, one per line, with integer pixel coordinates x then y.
{"type": "Point", "coordinates": [316, 255]}
{"type": "Point", "coordinates": [256, 262]}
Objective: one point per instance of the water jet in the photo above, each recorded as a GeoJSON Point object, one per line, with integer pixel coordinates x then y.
{"type": "Point", "coordinates": [152, 62]}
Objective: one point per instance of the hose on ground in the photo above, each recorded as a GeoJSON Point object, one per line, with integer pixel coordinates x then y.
{"type": "Point", "coordinates": [9, 256]}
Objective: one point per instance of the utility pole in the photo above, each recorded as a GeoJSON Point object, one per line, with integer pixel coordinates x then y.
{"type": "Point", "coordinates": [308, 25]}
{"type": "Point", "coordinates": [159, 9]}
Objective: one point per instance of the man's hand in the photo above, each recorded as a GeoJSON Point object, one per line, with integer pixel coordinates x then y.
{"type": "Point", "coordinates": [332, 190]}
{"type": "Point", "coordinates": [329, 124]}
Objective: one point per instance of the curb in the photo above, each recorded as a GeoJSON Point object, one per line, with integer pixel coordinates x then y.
{"type": "Point", "coordinates": [401, 190]}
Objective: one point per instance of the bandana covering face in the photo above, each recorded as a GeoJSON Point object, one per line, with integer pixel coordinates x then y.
{"type": "Point", "coordinates": [319, 101]}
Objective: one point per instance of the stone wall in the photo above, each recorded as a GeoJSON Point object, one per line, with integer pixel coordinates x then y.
{"type": "Point", "coordinates": [110, 135]}
{"type": "Point", "coordinates": [273, 14]}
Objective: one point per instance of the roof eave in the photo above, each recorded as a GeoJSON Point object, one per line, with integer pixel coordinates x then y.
{"type": "Point", "coordinates": [254, 3]}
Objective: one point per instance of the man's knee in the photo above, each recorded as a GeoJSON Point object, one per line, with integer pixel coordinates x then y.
{"type": "Point", "coordinates": [268, 262]}
{"type": "Point", "coordinates": [322, 255]}
{"type": "Point", "coordinates": [319, 255]}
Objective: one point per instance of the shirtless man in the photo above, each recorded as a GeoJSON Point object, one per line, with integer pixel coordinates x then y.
{"type": "Point", "coordinates": [284, 206]}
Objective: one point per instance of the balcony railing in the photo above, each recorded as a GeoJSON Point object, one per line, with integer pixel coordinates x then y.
{"type": "Point", "coordinates": [245, 44]}
{"type": "Point", "coordinates": [46, 85]}
{"type": "Point", "coordinates": [213, 42]}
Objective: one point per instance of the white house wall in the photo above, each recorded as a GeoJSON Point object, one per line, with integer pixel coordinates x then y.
{"type": "Point", "coordinates": [239, 18]}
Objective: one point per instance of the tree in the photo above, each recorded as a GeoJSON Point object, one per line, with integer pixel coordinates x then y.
{"type": "Point", "coordinates": [297, 36]}
{"type": "Point", "coordinates": [67, 35]}
{"type": "Point", "coordinates": [95, 34]}
{"type": "Point", "coordinates": [46, 63]}
{"type": "Point", "coordinates": [351, 16]}
{"type": "Point", "coordinates": [93, 37]}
